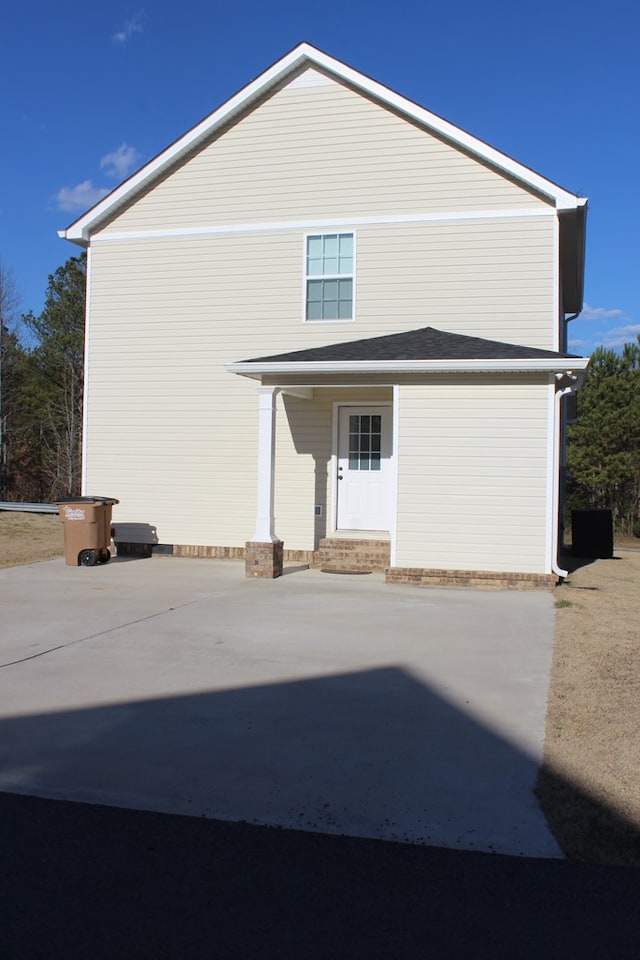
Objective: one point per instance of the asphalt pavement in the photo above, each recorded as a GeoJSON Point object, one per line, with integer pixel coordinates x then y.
{"type": "Point", "coordinates": [83, 882]}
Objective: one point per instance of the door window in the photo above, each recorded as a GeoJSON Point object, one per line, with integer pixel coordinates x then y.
{"type": "Point", "coordinates": [364, 441]}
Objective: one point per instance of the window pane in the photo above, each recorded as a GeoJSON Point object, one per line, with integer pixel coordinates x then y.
{"type": "Point", "coordinates": [365, 424]}
{"type": "Point", "coordinates": [331, 245]}
{"type": "Point", "coordinates": [375, 442]}
{"type": "Point", "coordinates": [354, 462]}
{"type": "Point", "coordinates": [375, 461]}
{"type": "Point", "coordinates": [330, 310]}
{"type": "Point", "coordinates": [364, 461]}
{"type": "Point", "coordinates": [314, 247]}
{"type": "Point", "coordinates": [364, 443]}
{"type": "Point", "coordinates": [376, 420]}
{"type": "Point", "coordinates": [346, 289]}
{"type": "Point", "coordinates": [345, 265]}
{"type": "Point", "coordinates": [314, 266]}
{"type": "Point", "coordinates": [345, 310]}
{"type": "Point", "coordinates": [314, 311]}
{"type": "Point", "coordinates": [354, 423]}
{"type": "Point", "coordinates": [346, 245]}
{"type": "Point", "coordinates": [314, 290]}
{"type": "Point", "coordinates": [330, 289]}
{"type": "Point", "coordinates": [330, 265]}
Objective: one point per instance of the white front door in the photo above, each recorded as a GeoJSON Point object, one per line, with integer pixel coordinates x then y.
{"type": "Point", "coordinates": [364, 468]}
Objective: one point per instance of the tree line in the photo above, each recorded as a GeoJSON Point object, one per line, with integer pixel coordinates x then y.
{"type": "Point", "coordinates": [603, 446]}
{"type": "Point", "coordinates": [41, 388]}
{"type": "Point", "coordinates": [41, 400]}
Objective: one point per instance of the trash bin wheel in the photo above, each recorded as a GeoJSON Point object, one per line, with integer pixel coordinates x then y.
{"type": "Point", "coordinates": [88, 558]}
{"type": "Point", "coordinates": [105, 556]}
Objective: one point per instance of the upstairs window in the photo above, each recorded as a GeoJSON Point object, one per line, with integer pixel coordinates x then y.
{"type": "Point", "coordinates": [329, 276]}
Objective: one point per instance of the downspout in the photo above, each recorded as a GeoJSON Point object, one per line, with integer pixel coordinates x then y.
{"type": "Point", "coordinates": [565, 323]}
{"type": "Point", "coordinates": [556, 568]}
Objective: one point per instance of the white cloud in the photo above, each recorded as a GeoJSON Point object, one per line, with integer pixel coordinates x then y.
{"type": "Point", "coordinates": [134, 24]}
{"type": "Point", "coordinates": [618, 336]}
{"type": "Point", "coordinates": [600, 313]}
{"type": "Point", "coordinates": [121, 162]}
{"type": "Point", "coordinates": [575, 344]}
{"type": "Point", "coordinates": [80, 197]}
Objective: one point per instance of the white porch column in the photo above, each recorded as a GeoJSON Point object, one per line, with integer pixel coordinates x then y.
{"type": "Point", "coordinates": [266, 462]}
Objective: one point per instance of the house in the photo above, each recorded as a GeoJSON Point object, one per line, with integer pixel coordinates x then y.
{"type": "Point", "coordinates": [328, 324]}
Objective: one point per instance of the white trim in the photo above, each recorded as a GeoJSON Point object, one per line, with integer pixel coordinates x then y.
{"type": "Point", "coordinates": [320, 224]}
{"type": "Point", "coordinates": [258, 369]}
{"type": "Point", "coordinates": [85, 388]}
{"type": "Point", "coordinates": [556, 284]}
{"type": "Point", "coordinates": [309, 78]}
{"type": "Point", "coordinates": [338, 276]}
{"type": "Point", "coordinates": [304, 53]}
{"type": "Point", "coordinates": [551, 482]}
{"type": "Point", "coordinates": [333, 464]}
{"type": "Point", "coordinates": [395, 427]}
{"type": "Point", "coordinates": [302, 392]}
{"type": "Point", "coordinates": [265, 520]}
{"type": "Point", "coordinates": [555, 504]}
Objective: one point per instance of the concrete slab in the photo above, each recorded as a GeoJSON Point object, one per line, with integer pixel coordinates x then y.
{"type": "Point", "coordinates": [315, 701]}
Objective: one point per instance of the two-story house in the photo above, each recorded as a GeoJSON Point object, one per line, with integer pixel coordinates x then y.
{"type": "Point", "coordinates": [326, 323]}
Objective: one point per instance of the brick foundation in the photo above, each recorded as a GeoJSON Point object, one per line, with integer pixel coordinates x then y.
{"type": "Point", "coordinates": [208, 553]}
{"type": "Point", "coordinates": [263, 559]}
{"type": "Point", "coordinates": [488, 580]}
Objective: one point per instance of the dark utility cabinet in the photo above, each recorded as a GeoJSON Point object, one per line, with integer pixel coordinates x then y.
{"type": "Point", "coordinates": [592, 533]}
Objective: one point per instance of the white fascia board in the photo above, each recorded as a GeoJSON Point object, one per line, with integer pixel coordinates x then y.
{"type": "Point", "coordinates": [544, 365]}
{"type": "Point", "coordinates": [79, 231]}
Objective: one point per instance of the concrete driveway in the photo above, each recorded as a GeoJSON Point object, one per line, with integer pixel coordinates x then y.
{"type": "Point", "coordinates": [321, 702]}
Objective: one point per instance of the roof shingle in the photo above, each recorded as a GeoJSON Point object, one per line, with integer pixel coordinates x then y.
{"type": "Point", "coordinates": [426, 343]}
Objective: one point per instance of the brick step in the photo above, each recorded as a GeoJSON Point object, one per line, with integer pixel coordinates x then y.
{"type": "Point", "coordinates": [361, 557]}
{"type": "Point", "coordinates": [352, 555]}
{"type": "Point", "coordinates": [336, 566]}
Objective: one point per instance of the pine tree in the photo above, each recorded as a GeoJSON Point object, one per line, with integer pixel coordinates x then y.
{"type": "Point", "coordinates": [603, 453]}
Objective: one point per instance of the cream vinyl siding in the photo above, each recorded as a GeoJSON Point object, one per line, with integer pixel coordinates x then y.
{"type": "Point", "coordinates": [311, 151]}
{"type": "Point", "coordinates": [472, 459]}
{"type": "Point", "coordinates": [489, 278]}
{"type": "Point", "coordinates": [304, 437]}
{"type": "Point", "coordinates": [170, 432]}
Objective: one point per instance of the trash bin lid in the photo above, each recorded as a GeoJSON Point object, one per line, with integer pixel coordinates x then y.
{"type": "Point", "coordinates": [110, 500]}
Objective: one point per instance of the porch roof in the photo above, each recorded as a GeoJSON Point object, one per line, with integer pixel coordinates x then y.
{"type": "Point", "coordinates": [426, 349]}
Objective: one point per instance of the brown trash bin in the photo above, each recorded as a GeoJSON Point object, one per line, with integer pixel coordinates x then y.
{"type": "Point", "coordinates": [87, 529]}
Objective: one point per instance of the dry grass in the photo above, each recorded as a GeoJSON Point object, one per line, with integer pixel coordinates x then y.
{"type": "Point", "coordinates": [589, 786]}
{"type": "Point", "coordinates": [29, 538]}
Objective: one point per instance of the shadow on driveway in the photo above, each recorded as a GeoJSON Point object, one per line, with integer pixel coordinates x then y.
{"type": "Point", "coordinates": [79, 881]}
{"type": "Point", "coordinates": [373, 753]}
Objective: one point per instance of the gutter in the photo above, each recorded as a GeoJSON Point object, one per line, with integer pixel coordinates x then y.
{"type": "Point", "coordinates": [562, 365]}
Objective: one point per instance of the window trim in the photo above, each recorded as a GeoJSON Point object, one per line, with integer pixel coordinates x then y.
{"type": "Point", "coordinates": [323, 232]}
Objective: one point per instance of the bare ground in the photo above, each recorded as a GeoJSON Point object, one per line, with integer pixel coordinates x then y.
{"type": "Point", "coordinates": [589, 784]}
{"type": "Point", "coordinates": [29, 538]}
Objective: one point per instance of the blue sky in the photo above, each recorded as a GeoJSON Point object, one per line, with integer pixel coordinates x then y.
{"type": "Point", "coordinates": [90, 91]}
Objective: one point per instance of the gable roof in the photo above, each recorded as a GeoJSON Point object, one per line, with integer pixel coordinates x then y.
{"type": "Point", "coordinates": [423, 350]}
{"type": "Point", "coordinates": [306, 55]}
